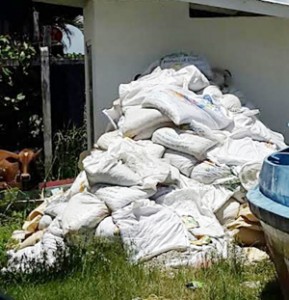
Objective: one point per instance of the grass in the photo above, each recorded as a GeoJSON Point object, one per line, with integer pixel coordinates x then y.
{"type": "Point", "coordinates": [9, 221]}
{"type": "Point", "coordinates": [101, 271]}
{"type": "Point", "coordinates": [12, 219]}
{"type": "Point", "coordinates": [68, 144]}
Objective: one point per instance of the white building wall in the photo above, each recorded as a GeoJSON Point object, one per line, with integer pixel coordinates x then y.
{"type": "Point", "coordinates": [128, 35]}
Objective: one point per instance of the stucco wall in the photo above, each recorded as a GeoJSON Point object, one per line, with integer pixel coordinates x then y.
{"type": "Point", "coordinates": [128, 35]}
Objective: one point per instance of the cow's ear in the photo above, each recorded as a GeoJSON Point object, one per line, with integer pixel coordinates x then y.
{"type": "Point", "coordinates": [37, 153]}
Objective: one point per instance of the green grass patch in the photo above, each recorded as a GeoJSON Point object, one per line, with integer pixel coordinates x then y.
{"type": "Point", "coordinates": [8, 223]}
{"type": "Point", "coordinates": [102, 271]}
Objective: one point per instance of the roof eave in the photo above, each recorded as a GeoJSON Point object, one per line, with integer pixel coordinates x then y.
{"type": "Point", "coordinates": [276, 8]}
{"type": "Point", "coordinates": [73, 3]}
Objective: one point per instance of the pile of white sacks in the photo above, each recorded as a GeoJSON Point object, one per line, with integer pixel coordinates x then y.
{"type": "Point", "coordinates": [169, 177]}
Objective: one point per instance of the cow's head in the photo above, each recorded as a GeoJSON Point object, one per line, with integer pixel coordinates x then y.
{"type": "Point", "coordinates": [26, 156]}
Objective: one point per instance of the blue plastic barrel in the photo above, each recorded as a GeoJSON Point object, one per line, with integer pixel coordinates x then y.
{"type": "Point", "coordinates": [269, 202]}
{"type": "Point", "coordinates": [274, 177]}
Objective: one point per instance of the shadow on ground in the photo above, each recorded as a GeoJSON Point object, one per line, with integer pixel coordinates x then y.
{"type": "Point", "coordinates": [271, 291]}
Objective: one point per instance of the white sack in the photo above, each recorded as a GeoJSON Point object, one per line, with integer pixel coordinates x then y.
{"type": "Point", "coordinates": [214, 135]}
{"type": "Point", "coordinates": [152, 149]}
{"type": "Point", "coordinates": [195, 202]}
{"type": "Point", "coordinates": [148, 229]}
{"type": "Point", "coordinates": [183, 162]}
{"type": "Point", "coordinates": [212, 90]}
{"type": "Point", "coordinates": [95, 156]}
{"type": "Point", "coordinates": [55, 227]}
{"type": "Point", "coordinates": [247, 125]}
{"type": "Point", "coordinates": [178, 61]}
{"type": "Point", "coordinates": [22, 260]}
{"type": "Point", "coordinates": [249, 175]}
{"type": "Point", "coordinates": [43, 253]}
{"type": "Point", "coordinates": [108, 138]}
{"type": "Point", "coordinates": [78, 186]}
{"type": "Point", "coordinates": [83, 212]}
{"type": "Point", "coordinates": [231, 102]}
{"type": "Point", "coordinates": [214, 196]}
{"type": "Point", "coordinates": [55, 208]}
{"type": "Point", "coordinates": [186, 182]}
{"type": "Point", "coordinates": [113, 114]}
{"type": "Point", "coordinates": [135, 92]}
{"type": "Point", "coordinates": [142, 121]}
{"type": "Point", "coordinates": [52, 243]}
{"type": "Point", "coordinates": [183, 141]}
{"type": "Point", "coordinates": [191, 78]}
{"type": "Point", "coordinates": [201, 256]}
{"type": "Point", "coordinates": [117, 197]}
{"type": "Point", "coordinates": [228, 212]}
{"type": "Point", "coordinates": [109, 170]}
{"type": "Point", "coordinates": [162, 190]}
{"type": "Point", "coordinates": [148, 132]}
{"type": "Point", "coordinates": [56, 204]}
{"type": "Point", "coordinates": [240, 195]}
{"type": "Point", "coordinates": [239, 152]}
{"type": "Point", "coordinates": [127, 163]}
{"type": "Point", "coordinates": [208, 172]}
{"type": "Point", "coordinates": [149, 170]}
{"type": "Point", "coordinates": [44, 222]}
{"type": "Point", "coordinates": [106, 228]}
{"type": "Point", "coordinates": [183, 106]}
{"type": "Point", "coordinates": [232, 90]}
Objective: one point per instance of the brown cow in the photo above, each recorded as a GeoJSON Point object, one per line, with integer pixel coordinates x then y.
{"type": "Point", "coordinates": [9, 174]}
{"type": "Point", "coordinates": [14, 168]}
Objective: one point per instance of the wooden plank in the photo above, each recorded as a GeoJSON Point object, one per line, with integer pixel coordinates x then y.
{"type": "Point", "coordinates": [36, 32]}
{"type": "Point", "coordinates": [46, 107]}
{"type": "Point", "coordinates": [36, 62]}
{"type": "Point", "coordinates": [47, 36]}
{"type": "Point", "coordinates": [67, 61]}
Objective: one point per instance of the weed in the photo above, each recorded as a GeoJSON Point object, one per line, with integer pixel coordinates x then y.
{"type": "Point", "coordinates": [7, 225]}
{"type": "Point", "coordinates": [9, 196]}
{"type": "Point", "coordinates": [68, 145]}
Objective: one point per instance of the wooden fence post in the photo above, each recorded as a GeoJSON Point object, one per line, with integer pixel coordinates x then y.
{"type": "Point", "coordinates": [46, 107]}
{"type": "Point", "coordinates": [36, 33]}
{"type": "Point", "coordinates": [47, 36]}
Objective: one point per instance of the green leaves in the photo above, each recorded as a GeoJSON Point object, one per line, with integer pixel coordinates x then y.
{"type": "Point", "coordinates": [15, 57]}
{"type": "Point", "coordinates": [4, 39]}
{"type": "Point", "coordinates": [8, 101]}
{"type": "Point", "coordinates": [20, 97]}
{"type": "Point", "coordinates": [74, 56]}
{"type": "Point", "coordinates": [25, 45]}
{"type": "Point", "coordinates": [20, 51]}
{"type": "Point", "coordinates": [6, 72]}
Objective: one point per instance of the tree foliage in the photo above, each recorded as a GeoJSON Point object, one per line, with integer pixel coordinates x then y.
{"type": "Point", "coordinates": [20, 120]}
{"type": "Point", "coordinates": [15, 57]}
